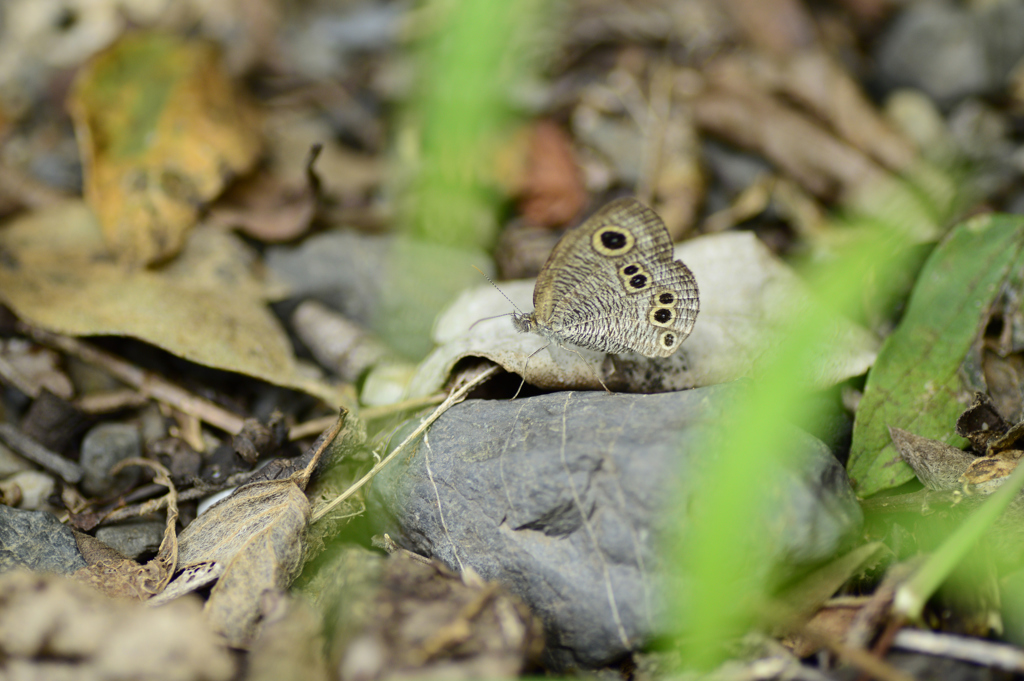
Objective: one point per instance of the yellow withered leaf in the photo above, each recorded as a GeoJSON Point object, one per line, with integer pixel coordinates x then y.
{"type": "Point", "coordinates": [161, 128]}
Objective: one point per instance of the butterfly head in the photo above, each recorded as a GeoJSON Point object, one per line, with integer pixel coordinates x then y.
{"type": "Point", "coordinates": [524, 322]}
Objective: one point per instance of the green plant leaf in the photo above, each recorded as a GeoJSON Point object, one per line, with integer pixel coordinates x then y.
{"type": "Point", "coordinates": [915, 384]}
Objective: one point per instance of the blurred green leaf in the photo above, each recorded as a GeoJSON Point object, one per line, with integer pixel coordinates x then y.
{"type": "Point", "coordinates": [475, 55]}
{"type": "Point", "coordinates": [915, 384]}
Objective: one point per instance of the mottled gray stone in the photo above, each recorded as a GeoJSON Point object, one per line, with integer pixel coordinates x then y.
{"type": "Point", "coordinates": [550, 494]}
{"type": "Point", "coordinates": [340, 268]}
{"type": "Point", "coordinates": [951, 51]}
{"type": "Point", "coordinates": [103, 447]}
{"type": "Point", "coordinates": [133, 539]}
{"type": "Point", "coordinates": [38, 541]}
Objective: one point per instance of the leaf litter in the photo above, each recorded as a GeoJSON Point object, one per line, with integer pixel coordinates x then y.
{"type": "Point", "coordinates": [252, 542]}
{"type": "Point", "coordinates": [803, 112]}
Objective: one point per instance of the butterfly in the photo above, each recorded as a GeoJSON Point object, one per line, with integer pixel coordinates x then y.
{"type": "Point", "coordinates": [612, 285]}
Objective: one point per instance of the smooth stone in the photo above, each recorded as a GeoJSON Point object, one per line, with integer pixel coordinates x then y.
{"type": "Point", "coordinates": [561, 497]}
{"type": "Point", "coordinates": [339, 268]}
{"type": "Point", "coordinates": [38, 541]}
{"type": "Point", "coordinates": [133, 539]}
{"type": "Point", "coordinates": [102, 448]}
{"type": "Point", "coordinates": [36, 488]}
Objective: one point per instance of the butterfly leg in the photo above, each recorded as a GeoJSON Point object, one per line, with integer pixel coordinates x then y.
{"type": "Point", "coordinates": [596, 374]}
{"type": "Point", "coordinates": [523, 382]}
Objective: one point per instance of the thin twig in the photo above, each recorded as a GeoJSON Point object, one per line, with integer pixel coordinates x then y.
{"type": "Point", "coordinates": [323, 442]}
{"type": "Point", "coordinates": [69, 471]}
{"type": "Point", "coordinates": [858, 657]}
{"type": "Point", "coordinates": [146, 382]}
{"type": "Point", "coordinates": [11, 376]}
{"type": "Point", "coordinates": [110, 401]}
{"type": "Point", "coordinates": [371, 413]}
{"type": "Point", "coordinates": [975, 650]}
{"type": "Point", "coordinates": [452, 399]}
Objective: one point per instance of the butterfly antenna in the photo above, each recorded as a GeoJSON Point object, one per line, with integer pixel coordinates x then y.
{"type": "Point", "coordinates": [486, 318]}
{"type": "Point", "coordinates": [499, 291]}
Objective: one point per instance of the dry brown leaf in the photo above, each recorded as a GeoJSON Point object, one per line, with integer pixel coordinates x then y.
{"type": "Point", "coordinates": [553, 192]}
{"type": "Point", "coordinates": [117, 576]}
{"type": "Point", "coordinates": [51, 627]}
{"type": "Point", "coordinates": [256, 534]}
{"type": "Point", "coordinates": [160, 128]}
{"type": "Point", "coordinates": [266, 208]}
{"type": "Point", "coordinates": [206, 306]}
{"type": "Point", "coordinates": [820, 85]}
{"type": "Point", "coordinates": [830, 623]}
{"type": "Point", "coordinates": [987, 474]}
{"type": "Point", "coordinates": [821, 163]}
{"type": "Point", "coordinates": [819, 82]}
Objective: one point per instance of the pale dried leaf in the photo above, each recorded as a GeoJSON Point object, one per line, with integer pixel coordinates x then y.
{"type": "Point", "coordinates": [208, 306]}
{"type": "Point", "coordinates": [257, 535]}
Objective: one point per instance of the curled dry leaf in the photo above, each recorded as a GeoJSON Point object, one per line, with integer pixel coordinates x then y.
{"type": "Point", "coordinates": [252, 543]}
{"type": "Point", "coordinates": [121, 577]}
{"type": "Point", "coordinates": [981, 423]}
{"type": "Point", "coordinates": [266, 209]}
{"type": "Point", "coordinates": [256, 536]}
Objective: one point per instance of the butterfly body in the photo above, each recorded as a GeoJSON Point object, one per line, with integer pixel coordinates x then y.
{"type": "Point", "coordinates": [612, 285]}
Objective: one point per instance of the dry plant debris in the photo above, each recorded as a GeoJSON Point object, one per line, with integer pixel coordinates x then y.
{"type": "Point", "coordinates": [53, 628]}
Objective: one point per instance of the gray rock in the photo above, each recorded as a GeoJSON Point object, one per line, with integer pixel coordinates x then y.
{"type": "Point", "coordinates": [344, 270]}
{"type": "Point", "coordinates": [559, 497]}
{"type": "Point", "coordinates": [102, 448]}
{"type": "Point", "coordinates": [340, 269]}
{"type": "Point", "coordinates": [133, 539]}
{"type": "Point", "coordinates": [38, 541]}
{"type": "Point", "coordinates": [950, 51]}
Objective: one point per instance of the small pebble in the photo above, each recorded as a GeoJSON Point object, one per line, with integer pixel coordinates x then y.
{"type": "Point", "coordinates": [30, 488]}
{"type": "Point", "coordinates": [103, 447]}
{"type": "Point", "coordinates": [133, 539]}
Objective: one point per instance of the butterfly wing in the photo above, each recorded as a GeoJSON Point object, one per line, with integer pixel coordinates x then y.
{"type": "Point", "coordinates": [612, 285]}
